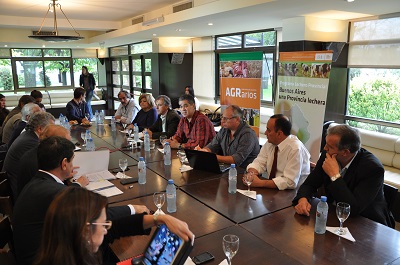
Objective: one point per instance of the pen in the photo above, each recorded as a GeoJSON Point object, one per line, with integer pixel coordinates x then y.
{"type": "Point", "coordinates": [104, 188]}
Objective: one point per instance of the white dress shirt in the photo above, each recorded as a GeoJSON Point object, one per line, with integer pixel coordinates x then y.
{"type": "Point", "coordinates": [128, 112]}
{"type": "Point", "coordinates": [293, 162]}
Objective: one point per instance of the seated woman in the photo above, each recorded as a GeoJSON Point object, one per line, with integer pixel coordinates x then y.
{"type": "Point", "coordinates": [189, 91]}
{"type": "Point", "coordinates": [76, 240]}
{"type": "Point", "coordinates": [77, 107]}
{"type": "Point", "coordinates": [147, 116]}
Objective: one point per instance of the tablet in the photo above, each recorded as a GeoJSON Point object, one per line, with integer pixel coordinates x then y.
{"type": "Point", "coordinates": [166, 248]}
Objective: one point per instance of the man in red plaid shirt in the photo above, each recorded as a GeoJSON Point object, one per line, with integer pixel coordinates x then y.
{"type": "Point", "coordinates": [194, 129]}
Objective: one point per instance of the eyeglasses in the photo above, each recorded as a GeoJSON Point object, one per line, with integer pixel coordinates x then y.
{"type": "Point", "coordinates": [107, 224]}
{"type": "Point", "coordinates": [120, 99]}
{"type": "Point", "coordinates": [226, 118]}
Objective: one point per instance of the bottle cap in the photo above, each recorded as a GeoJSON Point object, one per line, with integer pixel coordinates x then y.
{"type": "Point", "coordinates": [323, 198]}
{"type": "Point", "coordinates": [170, 181]}
{"type": "Point", "coordinates": [233, 165]}
{"type": "Point", "coordinates": [166, 143]}
{"type": "Point", "coordinates": [141, 158]}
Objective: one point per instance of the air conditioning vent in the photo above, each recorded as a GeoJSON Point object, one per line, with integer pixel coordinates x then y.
{"type": "Point", "coordinates": [43, 33]}
{"type": "Point", "coordinates": [137, 20]}
{"type": "Point", "coordinates": [182, 7]}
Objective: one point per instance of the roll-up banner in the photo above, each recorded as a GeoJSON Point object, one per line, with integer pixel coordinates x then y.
{"type": "Point", "coordinates": [240, 84]}
{"type": "Point", "coordinates": [303, 79]}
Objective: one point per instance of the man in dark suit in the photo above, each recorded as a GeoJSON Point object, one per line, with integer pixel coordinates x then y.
{"type": "Point", "coordinates": [167, 121]}
{"type": "Point", "coordinates": [26, 141]}
{"type": "Point", "coordinates": [349, 174]}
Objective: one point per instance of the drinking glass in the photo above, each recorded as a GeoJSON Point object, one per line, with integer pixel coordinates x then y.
{"type": "Point", "coordinates": [182, 157]}
{"type": "Point", "coordinates": [342, 212]}
{"type": "Point", "coordinates": [158, 199]}
{"type": "Point", "coordinates": [248, 177]}
{"type": "Point", "coordinates": [163, 137]}
{"type": "Point", "coordinates": [230, 245]}
{"type": "Point", "coordinates": [83, 136]}
{"type": "Point", "coordinates": [123, 164]}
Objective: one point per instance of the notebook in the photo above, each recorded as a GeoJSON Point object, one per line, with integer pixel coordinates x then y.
{"type": "Point", "coordinates": [165, 248]}
{"type": "Point", "coordinates": [205, 161]}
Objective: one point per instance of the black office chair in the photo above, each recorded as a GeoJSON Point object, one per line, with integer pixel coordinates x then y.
{"type": "Point", "coordinates": [324, 130]}
{"type": "Point", "coordinates": [390, 193]}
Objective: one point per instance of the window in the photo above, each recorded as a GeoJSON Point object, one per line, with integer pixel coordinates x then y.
{"type": "Point", "coordinates": [264, 41]}
{"type": "Point", "coordinates": [6, 78]}
{"type": "Point", "coordinates": [144, 47]}
{"type": "Point", "coordinates": [90, 63]}
{"type": "Point", "coordinates": [373, 101]}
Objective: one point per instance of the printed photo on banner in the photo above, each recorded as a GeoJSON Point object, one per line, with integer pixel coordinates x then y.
{"type": "Point", "coordinates": [313, 70]}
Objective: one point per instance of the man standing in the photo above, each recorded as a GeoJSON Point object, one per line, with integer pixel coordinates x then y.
{"type": "Point", "coordinates": [26, 141]}
{"type": "Point", "coordinates": [194, 129]}
{"type": "Point", "coordinates": [87, 81]}
{"type": "Point", "coordinates": [127, 110]}
{"type": "Point", "coordinates": [283, 157]}
{"type": "Point", "coordinates": [236, 141]}
{"type": "Point", "coordinates": [167, 121]}
{"type": "Point", "coordinates": [349, 174]}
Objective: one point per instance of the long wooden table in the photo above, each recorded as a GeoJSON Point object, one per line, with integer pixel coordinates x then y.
{"type": "Point", "coordinates": [294, 235]}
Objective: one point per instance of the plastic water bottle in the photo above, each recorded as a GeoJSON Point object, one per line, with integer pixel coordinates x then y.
{"type": "Point", "coordinates": [146, 141]}
{"type": "Point", "coordinates": [135, 132]}
{"type": "Point", "coordinates": [171, 196]}
{"type": "Point", "coordinates": [90, 145]}
{"type": "Point", "coordinates": [232, 179]}
{"type": "Point", "coordinates": [61, 119]}
{"type": "Point", "coordinates": [167, 154]}
{"type": "Point", "coordinates": [102, 116]}
{"type": "Point", "coordinates": [88, 134]}
{"type": "Point", "coordinates": [321, 216]}
{"type": "Point", "coordinates": [113, 127]}
{"type": "Point", "coordinates": [142, 171]}
{"type": "Point", "coordinates": [97, 117]}
{"type": "Point", "coordinates": [66, 124]}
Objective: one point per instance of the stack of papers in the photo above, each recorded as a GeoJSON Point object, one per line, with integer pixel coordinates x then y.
{"type": "Point", "coordinates": [94, 166]}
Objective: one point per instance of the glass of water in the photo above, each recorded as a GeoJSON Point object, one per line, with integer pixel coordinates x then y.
{"type": "Point", "coordinates": [230, 245]}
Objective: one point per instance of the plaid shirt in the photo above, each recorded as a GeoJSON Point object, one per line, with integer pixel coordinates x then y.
{"type": "Point", "coordinates": [199, 131]}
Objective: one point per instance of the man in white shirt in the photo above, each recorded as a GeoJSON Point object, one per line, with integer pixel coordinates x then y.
{"type": "Point", "coordinates": [127, 110]}
{"type": "Point", "coordinates": [292, 159]}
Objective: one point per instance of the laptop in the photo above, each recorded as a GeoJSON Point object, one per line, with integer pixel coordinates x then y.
{"type": "Point", "coordinates": [165, 248]}
{"type": "Point", "coordinates": [205, 161]}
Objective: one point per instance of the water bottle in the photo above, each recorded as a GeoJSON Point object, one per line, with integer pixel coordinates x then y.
{"type": "Point", "coordinates": [61, 119]}
{"type": "Point", "coordinates": [88, 134]}
{"type": "Point", "coordinates": [102, 116]}
{"type": "Point", "coordinates": [147, 142]}
{"type": "Point", "coordinates": [97, 117]}
{"type": "Point", "coordinates": [142, 171]}
{"type": "Point", "coordinates": [232, 179]}
{"type": "Point", "coordinates": [135, 132]}
{"type": "Point", "coordinates": [90, 145]}
{"type": "Point", "coordinates": [66, 124]}
{"type": "Point", "coordinates": [321, 216]}
{"type": "Point", "coordinates": [171, 196]}
{"type": "Point", "coordinates": [113, 127]}
{"type": "Point", "coordinates": [167, 154]}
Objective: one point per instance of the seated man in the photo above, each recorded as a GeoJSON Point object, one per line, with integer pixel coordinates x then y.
{"type": "Point", "coordinates": [349, 174]}
{"type": "Point", "coordinates": [167, 121]}
{"type": "Point", "coordinates": [55, 158]}
{"type": "Point", "coordinates": [283, 157]}
{"type": "Point", "coordinates": [77, 107]}
{"type": "Point", "coordinates": [127, 110]}
{"type": "Point", "coordinates": [194, 129]}
{"type": "Point", "coordinates": [236, 141]}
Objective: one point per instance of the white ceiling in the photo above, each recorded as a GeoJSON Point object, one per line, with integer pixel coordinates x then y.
{"type": "Point", "coordinates": [227, 16]}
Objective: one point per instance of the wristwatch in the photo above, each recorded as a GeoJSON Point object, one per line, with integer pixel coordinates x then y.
{"type": "Point", "coordinates": [335, 177]}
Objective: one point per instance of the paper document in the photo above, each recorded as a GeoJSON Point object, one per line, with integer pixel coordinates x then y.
{"type": "Point", "coordinates": [104, 188]}
{"type": "Point", "coordinates": [99, 176]}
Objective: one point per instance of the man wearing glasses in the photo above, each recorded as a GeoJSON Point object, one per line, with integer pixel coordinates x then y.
{"type": "Point", "coordinates": [236, 141]}
{"type": "Point", "coordinates": [127, 110]}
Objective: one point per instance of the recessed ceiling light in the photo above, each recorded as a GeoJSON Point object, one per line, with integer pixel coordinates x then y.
{"type": "Point", "coordinates": [349, 1]}
{"type": "Point", "coordinates": [5, 45]}
{"type": "Point", "coordinates": [43, 46]}
{"type": "Point", "coordinates": [178, 29]}
{"type": "Point", "coordinates": [154, 34]}
{"type": "Point", "coordinates": [210, 24]}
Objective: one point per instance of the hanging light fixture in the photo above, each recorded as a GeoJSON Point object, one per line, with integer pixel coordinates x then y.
{"type": "Point", "coordinates": [54, 36]}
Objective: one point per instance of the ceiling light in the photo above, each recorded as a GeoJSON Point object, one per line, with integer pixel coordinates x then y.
{"type": "Point", "coordinates": [5, 45]}
{"type": "Point", "coordinates": [54, 36]}
{"type": "Point", "coordinates": [178, 30]}
{"type": "Point", "coordinates": [210, 24]}
{"type": "Point", "coordinates": [43, 46]}
{"type": "Point", "coordinates": [349, 1]}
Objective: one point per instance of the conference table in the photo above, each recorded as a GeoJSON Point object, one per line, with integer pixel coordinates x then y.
{"type": "Point", "coordinates": [269, 230]}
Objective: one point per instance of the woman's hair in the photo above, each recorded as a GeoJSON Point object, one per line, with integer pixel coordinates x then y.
{"type": "Point", "coordinates": [36, 94]}
{"type": "Point", "coordinates": [66, 235]}
{"type": "Point", "coordinates": [191, 91]}
{"type": "Point", "coordinates": [149, 98]}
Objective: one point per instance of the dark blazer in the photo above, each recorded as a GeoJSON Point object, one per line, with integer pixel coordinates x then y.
{"type": "Point", "coordinates": [17, 131]}
{"type": "Point", "coordinates": [171, 125]}
{"type": "Point", "coordinates": [76, 111]}
{"type": "Point", "coordinates": [92, 82]}
{"type": "Point", "coordinates": [22, 144]}
{"type": "Point", "coordinates": [30, 211]}
{"type": "Point", "coordinates": [361, 187]}
{"type": "Point", "coordinates": [28, 168]}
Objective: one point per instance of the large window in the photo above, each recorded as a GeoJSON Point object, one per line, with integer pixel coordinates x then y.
{"type": "Point", "coordinates": [374, 76]}
{"type": "Point", "coordinates": [264, 41]}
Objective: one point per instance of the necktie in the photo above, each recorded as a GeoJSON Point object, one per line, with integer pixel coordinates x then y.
{"type": "Point", "coordinates": [274, 164]}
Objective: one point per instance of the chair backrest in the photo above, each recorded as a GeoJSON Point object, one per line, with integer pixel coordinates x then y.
{"type": "Point", "coordinates": [3, 176]}
{"type": "Point", "coordinates": [390, 193]}
{"type": "Point", "coordinates": [5, 188]}
{"type": "Point", "coordinates": [6, 206]}
{"type": "Point", "coordinates": [6, 243]}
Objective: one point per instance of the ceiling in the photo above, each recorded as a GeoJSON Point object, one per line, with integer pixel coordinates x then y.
{"type": "Point", "coordinates": [93, 19]}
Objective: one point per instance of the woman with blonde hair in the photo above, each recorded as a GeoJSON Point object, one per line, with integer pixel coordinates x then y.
{"type": "Point", "coordinates": [147, 116]}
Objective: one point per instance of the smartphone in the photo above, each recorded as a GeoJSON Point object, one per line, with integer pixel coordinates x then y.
{"type": "Point", "coordinates": [202, 258]}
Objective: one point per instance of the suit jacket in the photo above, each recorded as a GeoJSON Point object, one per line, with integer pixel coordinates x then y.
{"type": "Point", "coordinates": [17, 131]}
{"type": "Point", "coordinates": [171, 125]}
{"type": "Point", "coordinates": [361, 187]}
{"type": "Point", "coordinates": [23, 143]}
{"type": "Point", "coordinates": [28, 168]}
{"type": "Point", "coordinates": [30, 211]}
